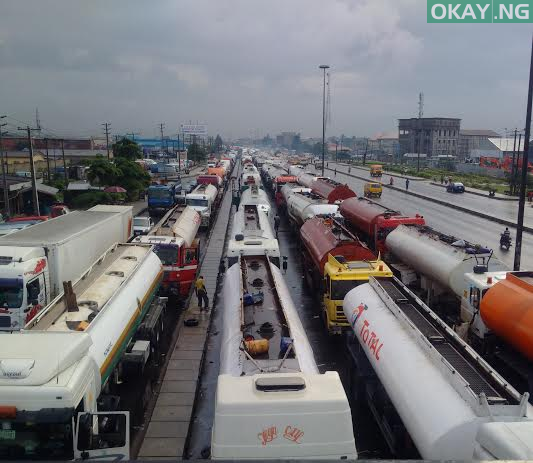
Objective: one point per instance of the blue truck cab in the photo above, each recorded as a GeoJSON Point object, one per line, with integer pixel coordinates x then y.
{"type": "Point", "coordinates": [164, 196]}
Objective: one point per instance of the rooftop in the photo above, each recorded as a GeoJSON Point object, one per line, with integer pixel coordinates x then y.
{"type": "Point", "coordinates": [479, 133]}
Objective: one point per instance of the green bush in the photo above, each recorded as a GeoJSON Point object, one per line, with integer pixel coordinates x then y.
{"type": "Point", "coordinates": [90, 199]}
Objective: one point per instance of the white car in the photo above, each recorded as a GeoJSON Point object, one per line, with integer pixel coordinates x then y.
{"type": "Point", "coordinates": [142, 225]}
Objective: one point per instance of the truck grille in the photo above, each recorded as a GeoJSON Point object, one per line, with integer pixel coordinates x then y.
{"type": "Point", "coordinates": [341, 318]}
{"type": "Point", "coordinates": [5, 322]}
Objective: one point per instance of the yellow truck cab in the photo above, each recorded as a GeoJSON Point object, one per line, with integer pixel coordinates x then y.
{"type": "Point", "coordinates": [341, 277]}
{"type": "Point", "coordinates": [373, 189]}
{"type": "Point", "coordinates": [376, 170]}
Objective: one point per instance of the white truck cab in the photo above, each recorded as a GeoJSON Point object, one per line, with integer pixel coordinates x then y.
{"type": "Point", "coordinates": [202, 200]}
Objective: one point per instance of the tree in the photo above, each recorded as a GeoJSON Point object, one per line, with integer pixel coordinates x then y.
{"type": "Point", "coordinates": [122, 172]}
{"type": "Point", "coordinates": [103, 173]}
{"type": "Point", "coordinates": [218, 144]}
{"type": "Point", "coordinates": [196, 153]}
{"type": "Point", "coordinates": [133, 178]}
{"type": "Point", "coordinates": [128, 149]}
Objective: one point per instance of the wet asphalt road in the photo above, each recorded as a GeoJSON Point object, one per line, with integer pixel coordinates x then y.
{"type": "Point", "coordinates": [447, 220]}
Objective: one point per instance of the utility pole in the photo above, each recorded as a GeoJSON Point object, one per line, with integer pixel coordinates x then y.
{"type": "Point", "coordinates": [47, 159]}
{"type": "Point", "coordinates": [36, 209]}
{"type": "Point", "coordinates": [420, 114]}
{"type": "Point", "coordinates": [525, 163]}
{"type": "Point", "coordinates": [512, 183]}
{"type": "Point", "coordinates": [161, 128]}
{"type": "Point", "coordinates": [107, 126]}
{"type": "Point", "coordinates": [515, 180]}
{"type": "Point", "coordinates": [336, 153]}
{"type": "Point", "coordinates": [323, 67]}
{"type": "Point", "coordinates": [4, 178]}
{"type": "Point", "coordinates": [366, 150]}
{"type": "Point", "coordinates": [64, 161]}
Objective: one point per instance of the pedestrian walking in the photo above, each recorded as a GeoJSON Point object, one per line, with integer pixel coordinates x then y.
{"type": "Point", "coordinates": [406, 183]}
{"type": "Point", "coordinates": [201, 293]}
{"type": "Point", "coordinates": [335, 171]}
{"type": "Point", "coordinates": [349, 170]}
{"type": "Point", "coordinates": [441, 179]}
{"type": "Point", "coordinates": [276, 224]}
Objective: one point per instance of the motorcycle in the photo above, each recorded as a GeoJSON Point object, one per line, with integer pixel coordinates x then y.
{"type": "Point", "coordinates": [505, 241]}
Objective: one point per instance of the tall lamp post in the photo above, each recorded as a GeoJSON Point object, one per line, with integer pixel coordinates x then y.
{"type": "Point", "coordinates": [323, 67]}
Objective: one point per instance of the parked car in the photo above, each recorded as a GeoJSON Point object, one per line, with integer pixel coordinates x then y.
{"type": "Point", "coordinates": [455, 187]}
{"type": "Point", "coordinates": [142, 225]}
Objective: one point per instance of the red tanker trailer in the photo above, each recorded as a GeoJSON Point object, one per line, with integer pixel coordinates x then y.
{"type": "Point", "coordinates": [374, 220]}
{"type": "Point", "coordinates": [331, 190]}
{"type": "Point", "coordinates": [322, 236]}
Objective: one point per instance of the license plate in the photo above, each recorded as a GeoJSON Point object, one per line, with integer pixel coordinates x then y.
{"type": "Point", "coordinates": [7, 434]}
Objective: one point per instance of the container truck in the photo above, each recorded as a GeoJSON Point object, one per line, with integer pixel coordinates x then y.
{"type": "Point", "coordinates": [335, 261]}
{"type": "Point", "coordinates": [58, 377]}
{"type": "Point", "coordinates": [36, 261]}
{"type": "Point", "coordinates": [203, 199]}
{"type": "Point", "coordinates": [176, 245]}
{"type": "Point", "coordinates": [271, 400]}
{"type": "Point", "coordinates": [374, 221]}
{"type": "Point", "coordinates": [332, 191]}
{"type": "Point", "coordinates": [431, 394]}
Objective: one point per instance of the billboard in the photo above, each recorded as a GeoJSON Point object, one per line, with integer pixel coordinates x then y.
{"type": "Point", "coordinates": [194, 129]}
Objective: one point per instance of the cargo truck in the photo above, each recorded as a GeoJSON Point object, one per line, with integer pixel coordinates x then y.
{"type": "Point", "coordinates": [59, 376]}
{"type": "Point", "coordinates": [36, 261]}
{"type": "Point", "coordinates": [162, 197]}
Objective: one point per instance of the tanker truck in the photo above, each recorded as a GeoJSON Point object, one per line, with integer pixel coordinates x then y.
{"type": "Point", "coordinates": [490, 307]}
{"type": "Point", "coordinates": [334, 262]}
{"type": "Point", "coordinates": [204, 199]}
{"type": "Point", "coordinates": [271, 400]}
{"type": "Point", "coordinates": [58, 377]}
{"type": "Point", "coordinates": [431, 394]}
{"type": "Point", "coordinates": [374, 221]}
{"type": "Point", "coordinates": [302, 206]}
{"type": "Point", "coordinates": [176, 245]}
{"type": "Point", "coordinates": [37, 260]}
{"type": "Point", "coordinates": [332, 191]}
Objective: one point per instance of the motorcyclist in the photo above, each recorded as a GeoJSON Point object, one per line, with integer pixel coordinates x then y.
{"type": "Point", "coordinates": [506, 235]}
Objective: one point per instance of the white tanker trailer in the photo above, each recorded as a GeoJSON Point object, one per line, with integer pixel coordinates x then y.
{"type": "Point", "coordinates": [489, 307]}
{"type": "Point", "coordinates": [54, 374]}
{"type": "Point", "coordinates": [452, 404]}
{"type": "Point", "coordinates": [255, 196]}
{"type": "Point", "coordinates": [302, 206]}
{"type": "Point", "coordinates": [271, 401]}
{"type": "Point", "coordinates": [441, 261]}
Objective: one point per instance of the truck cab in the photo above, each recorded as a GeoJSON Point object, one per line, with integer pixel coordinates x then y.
{"type": "Point", "coordinates": [340, 277]}
{"type": "Point", "coordinates": [24, 286]}
{"type": "Point", "coordinates": [163, 196]}
{"type": "Point", "coordinates": [180, 263]}
{"type": "Point", "coordinates": [202, 200]}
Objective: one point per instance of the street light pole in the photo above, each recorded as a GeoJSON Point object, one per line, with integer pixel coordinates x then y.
{"type": "Point", "coordinates": [323, 67]}
{"type": "Point", "coordinates": [525, 162]}
{"type": "Point", "coordinates": [4, 179]}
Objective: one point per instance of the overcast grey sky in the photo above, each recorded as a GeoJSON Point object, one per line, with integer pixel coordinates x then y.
{"type": "Point", "coordinates": [248, 66]}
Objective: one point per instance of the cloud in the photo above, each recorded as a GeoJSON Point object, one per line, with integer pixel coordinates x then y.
{"type": "Point", "coordinates": [244, 65]}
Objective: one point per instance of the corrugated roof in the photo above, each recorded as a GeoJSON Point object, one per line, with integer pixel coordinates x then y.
{"type": "Point", "coordinates": [479, 133]}
{"type": "Point", "coordinates": [507, 143]}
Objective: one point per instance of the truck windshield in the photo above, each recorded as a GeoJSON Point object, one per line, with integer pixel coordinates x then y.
{"type": "Point", "coordinates": [339, 288]}
{"type": "Point", "coordinates": [141, 222]}
{"type": "Point", "coordinates": [197, 202]}
{"type": "Point", "coordinates": [167, 254]}
{"type": "Point", "coordinates": [158, 193]}
{"type": "Point", "coordinates": [35, 441]}
{"type": "Point", "coordinates": [11, 293]}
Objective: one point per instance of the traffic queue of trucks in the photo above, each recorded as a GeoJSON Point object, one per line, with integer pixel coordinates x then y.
{"type": "Point", "coordinates": [271, 400]}
{"type": "Point", "coordinates": [82, 316]}
{"type": "Point", "coordinates": [432, 395]}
